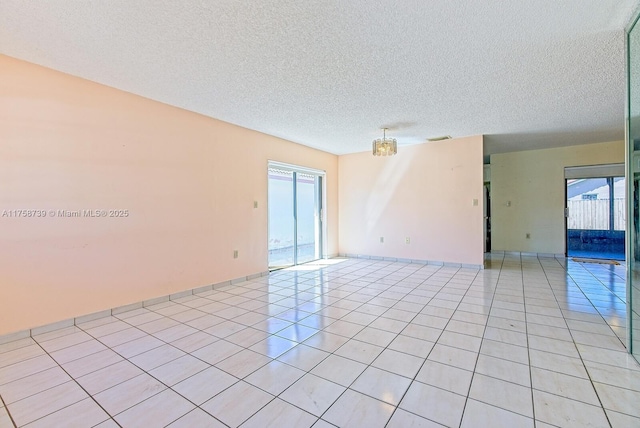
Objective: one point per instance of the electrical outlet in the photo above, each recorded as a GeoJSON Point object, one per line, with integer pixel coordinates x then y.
{"type": "Point", "coordinates": [528, 236]}
{"type": "Point", "coordinates": [475, 203]}
{"type": "Point", "coordinates": [255, 204]}
{"type": "Point", "coordinates": [382, 239]}
{"type": "Point", "coordinates": [235, 254]}
{"type": "Point", "coordinates": [407, 240]}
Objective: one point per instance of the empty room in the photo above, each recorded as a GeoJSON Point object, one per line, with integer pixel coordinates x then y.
{"type": "Point", "coordinates": [319, 214]}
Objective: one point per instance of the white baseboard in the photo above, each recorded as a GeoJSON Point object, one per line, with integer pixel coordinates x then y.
{"type": "Point", "coordinates": [23, 334]}
{"type": "Point", "coordinates": [422, 262]}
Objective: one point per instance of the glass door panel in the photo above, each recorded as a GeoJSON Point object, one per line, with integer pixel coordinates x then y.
{"type": "Point", "coordinates": [633, 196]}
{"type": "Point", "coordinates": [307, 217]}
{"type": "Point", "coordinates": [281, 219]}
{"type": "Point", "coordinates": [619, 204]}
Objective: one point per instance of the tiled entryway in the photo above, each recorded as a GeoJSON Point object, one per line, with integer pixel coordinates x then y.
{"type": "Point", "coordinates": [353, 343]}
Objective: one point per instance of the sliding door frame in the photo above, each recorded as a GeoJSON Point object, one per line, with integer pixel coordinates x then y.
{"type": "Point", "coordinates": [320, 198]}
{"type": "Point", "coordinates": [607, 171]}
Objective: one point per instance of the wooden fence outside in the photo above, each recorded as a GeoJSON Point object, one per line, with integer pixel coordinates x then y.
{"type": "Point", "coordinates": [594, 214]}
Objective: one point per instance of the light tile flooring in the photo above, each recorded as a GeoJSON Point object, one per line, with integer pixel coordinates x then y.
{"type": "Point", "coordinates": [354, 343]}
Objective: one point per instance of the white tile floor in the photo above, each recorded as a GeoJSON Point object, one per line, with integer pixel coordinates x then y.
{"type": "Point", "coordinates": [354, 343]}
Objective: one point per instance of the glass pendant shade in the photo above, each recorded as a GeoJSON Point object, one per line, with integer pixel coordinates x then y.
{"type": "Point", "coordinates": [385, 146]}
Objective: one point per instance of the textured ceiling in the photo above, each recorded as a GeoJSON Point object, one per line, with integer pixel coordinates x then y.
{"type": "Point", "coordinates": [329, 74]}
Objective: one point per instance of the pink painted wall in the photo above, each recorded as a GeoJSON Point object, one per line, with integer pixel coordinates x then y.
{"type": "Point", "coordinates": [188, 181]}
{"type": "Point", "coordinates": [425, 193]}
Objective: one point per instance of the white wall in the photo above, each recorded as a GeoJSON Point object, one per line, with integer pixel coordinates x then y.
{"type": "Point", "coordinates": [425, 193]}
{"type": "Point", "coordinates": [533, 182]}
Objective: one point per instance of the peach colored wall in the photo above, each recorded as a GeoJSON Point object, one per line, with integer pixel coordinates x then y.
{"type": "Point", "coordinates": [188, 181]}
{"type": "Point", "coordinates": [424, 193]}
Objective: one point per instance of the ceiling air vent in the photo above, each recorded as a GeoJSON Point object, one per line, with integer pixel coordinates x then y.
{"type": "Point", "coordinates": [442, 137]}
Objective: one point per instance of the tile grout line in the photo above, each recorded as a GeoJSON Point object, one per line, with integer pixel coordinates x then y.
{"type": "Point", "coordinates": [591, 301]}
{"type": "Point", "coordinates": [579, 355]}
{"type": "Point", "coordinates": [168, 343]}
{"type": "Point", "coordinates": [144, 371]}
{"type": "Point", "coordinates": [431, 350]}
{"type": "Point", "coordinates": [6, 407]}
{"type": "Point", "coordinates": [186, 353]}
{"type": "Point", "coordinates": [495, 290]}
{"type": "Point", "coordinates": [329, 355]}
{"type": "Point", "coordinates": [351, 338]}
{"type": "Point", "coordinates": [384, 348]}
{"type": "Point", "coordinates": [274, 359]}
{"type": "Point", "coordinates": [529, 366]}
{"type": "Point", "coordinates": [80, 386]}
{"type": "Point", "coordinates": [526, 327]}
{"type": "Point", "coordinates": [168, 316]}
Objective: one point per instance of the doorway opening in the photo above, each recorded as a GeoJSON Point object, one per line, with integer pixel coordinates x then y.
{"type": "Point", "coordinates": [595, 216]}
{"type": "Point", "coordinates": [487, 217]}
{"type": "Point", "coordinates": [295, 196]}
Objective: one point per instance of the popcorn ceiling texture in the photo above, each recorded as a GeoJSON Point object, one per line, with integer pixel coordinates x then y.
{"type": "Point", "coordinates": [329, 74]}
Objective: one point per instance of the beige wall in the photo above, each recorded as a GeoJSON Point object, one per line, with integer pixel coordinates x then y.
{"type": "Point", "coordinates": [188, 181]}
{"type": "Point", "coordinates": [425, 193]}
{"type": "Point", "coordinates": [533, 181]}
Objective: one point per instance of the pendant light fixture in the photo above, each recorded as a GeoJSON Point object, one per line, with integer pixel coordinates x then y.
{"type": "Point", "coordinates": [385, 146]}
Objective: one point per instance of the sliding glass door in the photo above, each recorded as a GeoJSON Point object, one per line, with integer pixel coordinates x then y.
{"type": "Point", "coordinates": [596, 217]}
{"type": "Point", "coordinates": [595, 211]}
{"type": "Point", "coordinates": [295, 215]}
